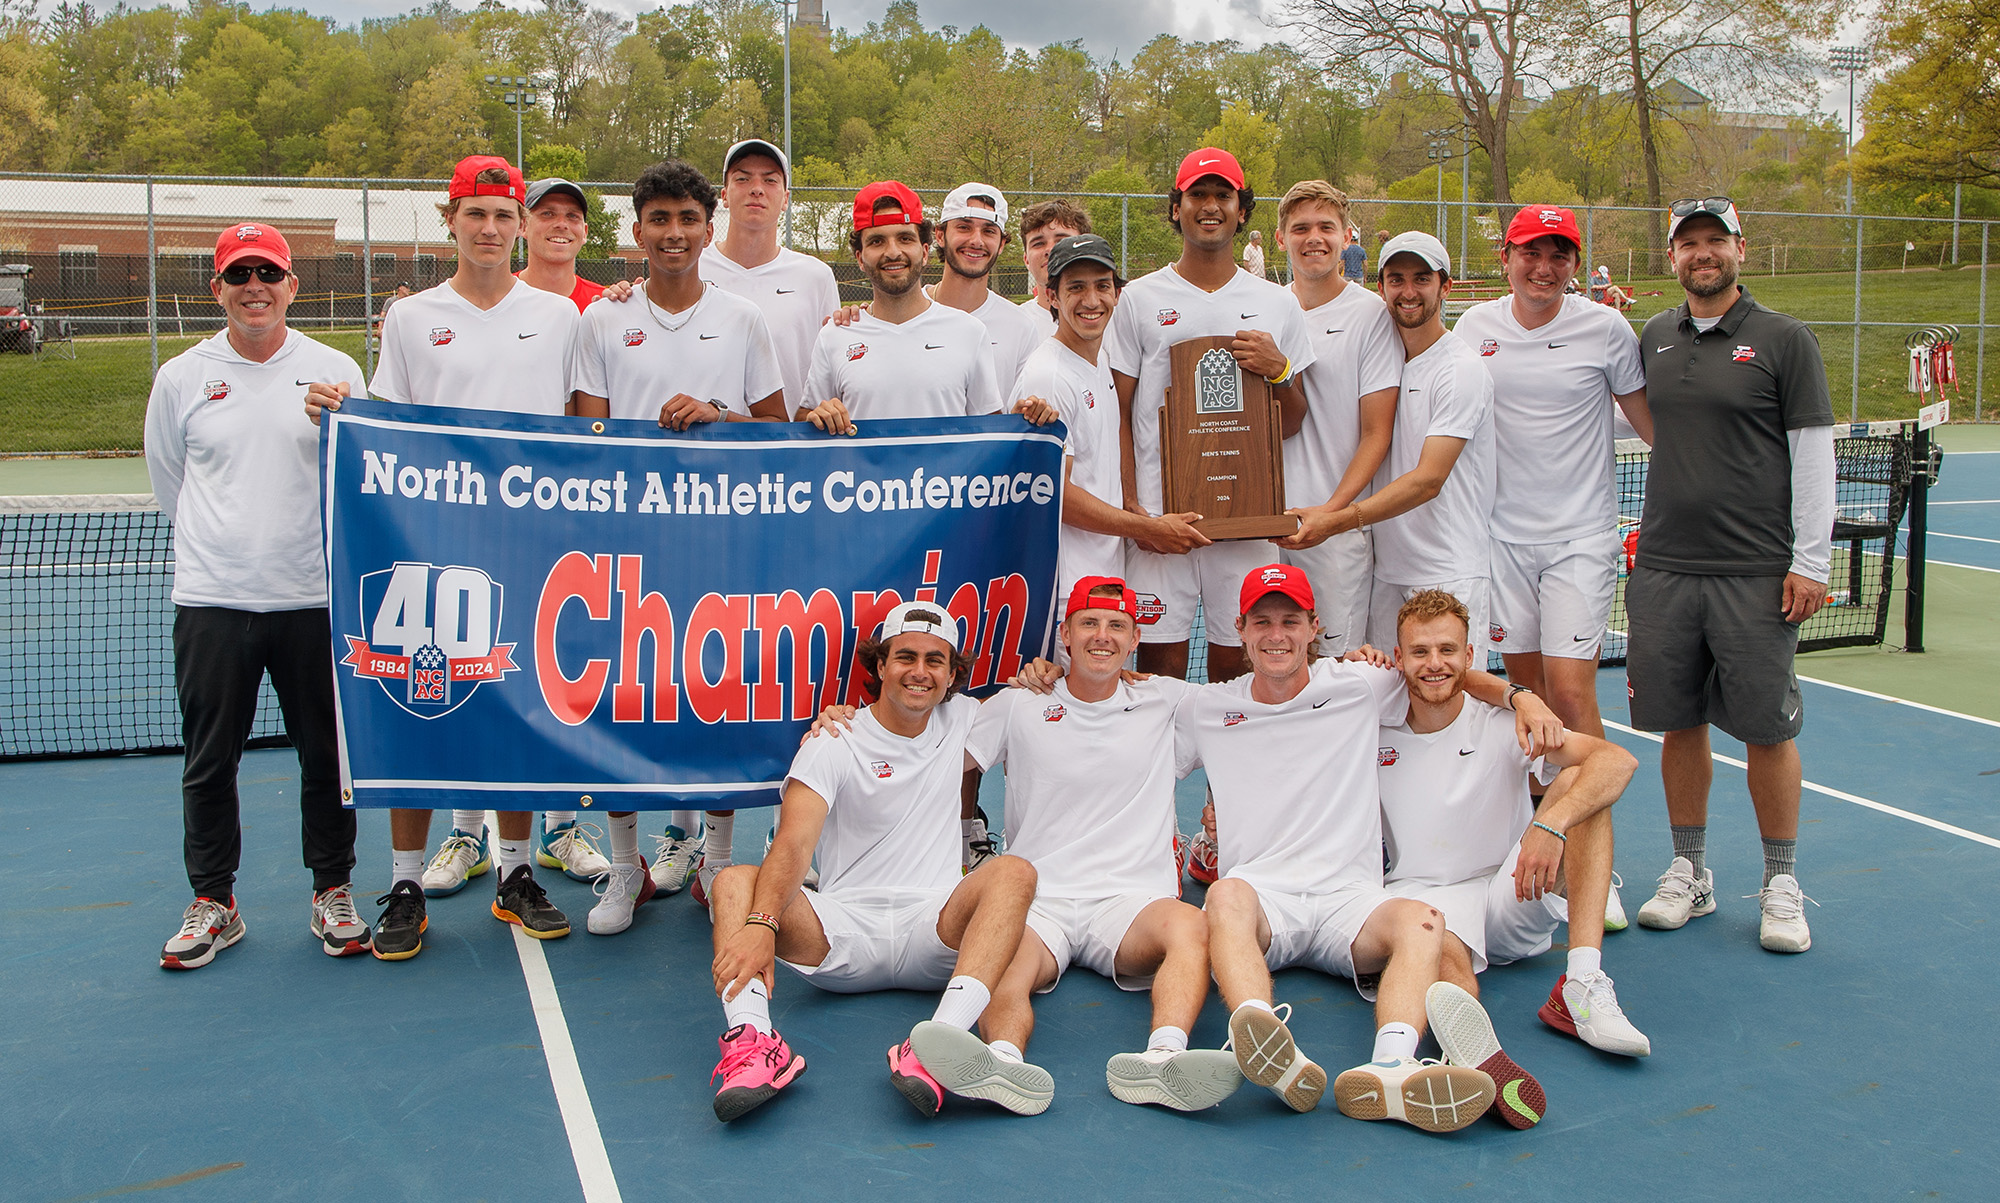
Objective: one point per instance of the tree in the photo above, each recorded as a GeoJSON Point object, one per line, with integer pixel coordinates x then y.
{"type": "Point", "coordinates": [24, 119]}
{"type": "Point", "coordinates": [568, 41]}
{"type": "Point", "coordinates": [1253, 139]}
{"type": "Point", "coordinates": [1934, 116]}
{"type": "Point", "coordinates": [440, 124]}
{"type": "Point", "coordinates": [567, 162]}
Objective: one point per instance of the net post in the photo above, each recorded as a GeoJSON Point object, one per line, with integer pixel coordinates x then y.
{"type": "Point", "coordinates": [1913, 595]}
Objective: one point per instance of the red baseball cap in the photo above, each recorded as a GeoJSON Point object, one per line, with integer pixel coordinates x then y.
{"type": "Point", "coordinates": [1276, 578]}
{"type": "Point", "coordinates": [1536, 221]}
{"type": "Point", "coordinates": [1209, 161]}
{"type": "Point", "coordinates": [252, 240]}
{"type": "Point", "coordinates": [1127, 602]}
{"type": "Point", "coordinates": [908, 211]}
{"type": "Point", "coordinates": [465, 179]}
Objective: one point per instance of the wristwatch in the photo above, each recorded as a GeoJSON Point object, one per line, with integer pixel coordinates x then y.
{"type": "Point", "coordinates": [1514, 691]}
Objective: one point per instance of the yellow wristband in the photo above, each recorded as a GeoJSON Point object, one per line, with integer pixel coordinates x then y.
{"type": "Point", "coordinates": [1281, 377]}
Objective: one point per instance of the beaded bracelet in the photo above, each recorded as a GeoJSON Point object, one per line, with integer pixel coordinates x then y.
{"type": "Point", "coordinates": [762, 920]}
{"type": "Point", "coordinates": [1535, 823]}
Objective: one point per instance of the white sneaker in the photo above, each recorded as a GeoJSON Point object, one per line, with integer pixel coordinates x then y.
{"type": "Point", "coordinates": [570, 848]}
{"type": "Point", "coordinates": [459, 859]}
{"type": "Point", "coordinates": [1184, 1079]}
{"type": "Point", "coordinates": [1614, 907]}
{"type": "Point", "coordinates": [674, 860]}
{"type": "Point", "coordinates": [1425, 1094]}
{"type": "Point", "coordinates": [1465, 1036]}
{"type": "Point", "coordinates": [1681, 896]}
{"type": "Point", "coordinates": [1783, 927]}
{"type": "Point", "coordinates": [964, 1064]}
{"type": "Point", "coordinates": [617, 893]}
{"type": "Point", "coordinates": [981, 845]}
{"type": "Point", "coordinates": [1267, 1055]}
{"type": "Point", "coordinates": [1587, 1008]}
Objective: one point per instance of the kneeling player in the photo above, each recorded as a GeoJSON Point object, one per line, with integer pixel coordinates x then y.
{"type": "Point", "coordinates": [1090, 803]}
{"type": "Point", "coordinates": [880, 804]}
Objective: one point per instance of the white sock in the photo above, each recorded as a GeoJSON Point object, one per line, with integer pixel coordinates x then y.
{"type": "Point", "coordinates": [963, 1002]}
{"type": "Point", "coordinates": [406, 865]}
{"type": "Point", "coordinates": [624, 838]}
{"type": "Point", "coordinates": [1168, 1038]}
{"type": "Point", "coordinates": [689, 821]}
{"type": "Point", "coordinates": [717, 847]}
{"type": "Point", "coordinates": [512, 854]}
{"type": "Point", "coordinates": [1394, 1041]}
{"type": "Point", "coordinates": [751, 1005]}
{"type": "Point", "coordinates": [1258, 1003]}
{"type": "Point", "coordinates": [471, 822]}
{"type": "Point", "coordinates": [1585, 960]}
{"type": "Point", "coordinates": [552, 819]}
{"type": "Point", "coordinates": [1005, 1050]}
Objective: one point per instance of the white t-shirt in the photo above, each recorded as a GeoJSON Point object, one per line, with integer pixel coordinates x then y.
{"type": "Point", "coordinates": [1090, 785]}
{"type": "Point", "coordinates": [794, 292]}
{"type": "Point", "coordinates": [440, 349]}
{"type": "Point", "coordinates": [1253, 260]}
{"type": "Point", "coordinates": [718, 351]}
{"type": "Point", "coordinates": [1160, 309]}
{"type": "Point", "coordinates": [892, 803]}
{"type": "Point", "coordinates": [1296, 808]}
{"type": "Point", "coordinates": [1012, 334]}
{"type": "Point", "coordinates": [1088, 402]}
{"type": "Point", "coordinates": [1455, 801]}
{"type": "Point", "coordinates": [936, 365]}
{"type": "Point", "coordinates": [1448, 538]}
{"type": "Point", "coordinates": [235, 466]}
{"type": "Point", "coordinates": [1356, 352]}
{"type": "Point", "coordinates": [1555, 460]}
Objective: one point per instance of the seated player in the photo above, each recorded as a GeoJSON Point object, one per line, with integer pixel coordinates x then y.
{"type": "Point", "coordinates": [1090, 803]}
{"type": "Point", "coordinates": [1464, 837]}
{"type": "Point", "coordinates": [1291, 753]}
{"type": "Point", "coordinates": [892, 911]}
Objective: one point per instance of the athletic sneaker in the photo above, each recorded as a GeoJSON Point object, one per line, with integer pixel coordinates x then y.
{"type": "Point", "coordinates": [753, 1068]}
{"type": "Point", "coordinates": [459, 859]}
{"type": "Point", "coordinates": [335, 922]}
{"type": "Point", "coordinates": [981, 845]}
{"type": "Point", "coordinates": [913, 1081]}
{"type": "Point", "coordinates": [1614, 907]}
{"type": "Point", "coordinates": [207, 927]}
{"type": "Point", "coordinates": [1681, 897]}
{"type": "Point", "coordinates": [1185, 1079]}
{"type": "Point", "coordinates": [1425, 1094]}
{"type": "Point", "coordinates": [674, 860]}
{"type": "Point", "coordinates": [962, 1063]}
{"type": "Point", "coordinates": [1465, 1035]}
{"type": "Point", "coordinates": [522, 902]}
{"type": "Point", "coordinates": [1266, 1055]}
{"type": "Point", "coordinates": [570, 849]}
{"type": "Point", "coordinates": [1587, 1008]}
{"type": "Point", "coordinates": [399, 933]}
{"type": "Point", "coordinates": [1195, 856]}
{"type": "Point", "coordinates": [1783, 927]}
{"type": "Point", "coordinates": [704, 880]}
{"type": "Point", "coordinates": [618, 890]}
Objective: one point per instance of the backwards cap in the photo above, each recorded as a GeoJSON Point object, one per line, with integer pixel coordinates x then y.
{"type": "Point", "coordinates": [465, 179]}
{"type": "Point", "coordinates": [920, 618]}
{"type": "Point", "coordinates": [909, 210]}
{"type": "Point", "coordinates": [1126, 603]}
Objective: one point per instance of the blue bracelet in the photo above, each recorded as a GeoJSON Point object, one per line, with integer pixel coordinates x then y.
{"type": "Point", "coordinates": [1552, 831]}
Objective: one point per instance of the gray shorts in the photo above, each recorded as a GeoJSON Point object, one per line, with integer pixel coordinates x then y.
{"type": "Point", "coordinates": [1712, 649]}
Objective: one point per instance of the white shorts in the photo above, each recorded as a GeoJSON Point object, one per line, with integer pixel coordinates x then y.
{"type": "Point", "coordinates": [1087, 932]}
{"type": "Point", "coordinates": [1318, 930]}
{"type": "Point", "coordinates": [879, 939]}
{"type": "Point", "coordinates": [1554, 598]}
{"type": "Point", "coordinates": [1212, 575]}
{"type": "Point", "coordinates": [1341, 570]}
{"type": "Point", "coordinates": [1488, 919]}
{"type": "Point", "coordinates": [1384, 600]}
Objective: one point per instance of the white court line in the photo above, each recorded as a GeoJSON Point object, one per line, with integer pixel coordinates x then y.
{"type": "Point", "coordinates": [1938, 534]}
{"type": "Point", "coordinates": [586, 1143]}
{"type": "Point", "coordinates": [1843, 795]}
{"type": "Point", "coordinates": [1890, 697]}
{"type": "Point", "coordinates": [1982, 501]}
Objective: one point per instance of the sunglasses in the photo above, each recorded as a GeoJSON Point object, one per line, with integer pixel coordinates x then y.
{"type": "Point", "coordinates": [266, 272]}
{"type": "Point", "coordinates": [1718, 205]}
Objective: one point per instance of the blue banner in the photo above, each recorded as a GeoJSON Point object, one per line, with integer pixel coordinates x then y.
{"type": "Point", "coordinates": [558, 613]}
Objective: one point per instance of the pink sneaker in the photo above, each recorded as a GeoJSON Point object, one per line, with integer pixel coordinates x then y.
{"type": "Point", "coordinates": [754, 1067]}
{"type": "Point", "coordinates": [913, 1081]}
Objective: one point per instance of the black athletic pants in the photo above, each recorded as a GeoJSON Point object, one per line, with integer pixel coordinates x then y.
{"type": "Point", "coordinates": [220, 658]}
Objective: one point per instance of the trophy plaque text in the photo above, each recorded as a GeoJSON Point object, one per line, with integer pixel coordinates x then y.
{"type": "Point", "coordinates": [1221, 445]}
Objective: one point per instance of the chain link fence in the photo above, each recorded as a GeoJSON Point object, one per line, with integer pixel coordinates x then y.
{"type": "Point", "coordinates": [103, 277]}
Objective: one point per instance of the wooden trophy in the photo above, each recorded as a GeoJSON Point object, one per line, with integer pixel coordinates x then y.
{"type": "Point", "coordinates": [1221, 445]}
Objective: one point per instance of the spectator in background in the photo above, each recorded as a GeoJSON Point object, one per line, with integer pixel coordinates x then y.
{"type": "Point", "coordinates": [1354, 258]}
{"type": "Point", "coordinates": [1253, 255]}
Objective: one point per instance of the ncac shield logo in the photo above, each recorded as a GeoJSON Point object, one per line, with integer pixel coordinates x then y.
{"type": "Point", "coordinates": [430, 641]}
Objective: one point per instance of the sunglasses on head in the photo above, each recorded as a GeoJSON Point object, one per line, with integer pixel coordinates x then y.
{"type": "Point", "coordinates": [1717, 205]}
{"type": "Point", "coordinates": [269, 273]}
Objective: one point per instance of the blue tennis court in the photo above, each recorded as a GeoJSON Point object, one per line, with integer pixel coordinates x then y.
{"type": "Point", "coordinates": [1964, 516]}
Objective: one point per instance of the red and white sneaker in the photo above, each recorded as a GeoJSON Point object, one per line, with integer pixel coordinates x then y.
{"type": "Point", "coordinates": [1465, 1035]}
{"type": "Point", "coordinates": [1586, 1007]}
{"type": "Point", "coordinates": [1195, 857]}
{"type": "Point", "coordinates": [207, 928]}
{"type": "Point", "coordinates": [913, 1081]}
{"type": "Point", "coordinates": [754, 1067]}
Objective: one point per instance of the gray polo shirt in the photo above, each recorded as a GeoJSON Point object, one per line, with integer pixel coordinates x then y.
{"type": "Point", "coordinates": [1719, 490]}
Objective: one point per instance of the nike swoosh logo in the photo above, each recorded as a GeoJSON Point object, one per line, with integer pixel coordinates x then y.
{"type": "Point", "coordinates": [1132, 707]}
{"type": "Point", "coordinates": [786, 291]}
{"type": "Point", "coordinates": [932, 346]}
{"type": "Point", "coordinates": [1365, 1095]}
{"type": "Point", "coordinates": [1553, 346]}
{"type": "Point", "coordinates": [1512, 1093]}
{"type": "Point", "coordinates": [706, 337]}
{"type": "Point", "coordinates": [1579, 639]}
{"type": "Point", "coordinates": [305, 382]}
{"type": "Point", "coordinates": [1321, 702]}
{"type": "Point", "coordinates": [1247, 315]}
{"type": "Point", "coordinates": [1668, 347]}
{"type": "Point", "coordinates": [1343, 328]}
{"type": "Point", "coordinates": [527, 335]}
{"type": "Point", "coordinates": [1467, 751]}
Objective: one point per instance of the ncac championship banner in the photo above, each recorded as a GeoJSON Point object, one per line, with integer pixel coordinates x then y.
{"type": "Point", "coordinates": [558, 613]}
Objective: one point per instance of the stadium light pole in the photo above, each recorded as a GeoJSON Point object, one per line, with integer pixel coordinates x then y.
{"type": "Point", "coordinates": [1438, 152]}
{"type": "Point", "coordinates": [522, 96]}
{"type": "Point", "coordinates": [1853, 60]}
{"type": "Point", "coordinates": [785, 11]}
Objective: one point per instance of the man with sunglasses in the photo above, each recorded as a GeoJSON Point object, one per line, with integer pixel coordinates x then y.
{"type": "Point", "coordinates": [239, 479]}
{"type": "Point", "coordinates": [1734, 551]}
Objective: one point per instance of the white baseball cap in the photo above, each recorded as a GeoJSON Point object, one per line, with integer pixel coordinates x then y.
{"type": "Point", "coordinates": [958, 204]}
{"type": "Point", "coordinates": [757, 146]}
{"type": "Point", "coordinates": [921, 618]}
{"type": "Point", "coordinates": [1420, 244]}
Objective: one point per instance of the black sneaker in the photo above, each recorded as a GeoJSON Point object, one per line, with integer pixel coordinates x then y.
{"type": "Point", "coordinates": [399, 933]}
{"type": "Point", "coordinates": [522, 903]}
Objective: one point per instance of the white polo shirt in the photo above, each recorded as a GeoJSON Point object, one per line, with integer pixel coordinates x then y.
{"type": "Point", "coordinates": [1083, 394]}
{"type": "Point", "coordinates": [1455, 801]}
{"type": "Point", "coordinates": [936, 365]}
{"type": "Point", "coordinates": [1160, 309]}
{"type": "Point", "coordinates": [1445, 392]}
{"type": "Point", "coordinates": [440, 349]}
{"type": "Point", "coordinates": [795, 293]}
{"type": "Point", "coordinates": [638, 355]}
{"type": "Point", "coordinates": [892, 803]}
{"type": "Point", "coordinates": [1356, 351]}
{"type": "Point", "coordinates": [1296, 808]}
{"type": "Point", "coordinates": [1556, 471]}
{"type": "Point", "coordinates": [1090, 785]}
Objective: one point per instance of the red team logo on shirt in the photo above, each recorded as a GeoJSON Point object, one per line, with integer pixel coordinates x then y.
{"type": "Point", "coordinates": [1232, 717]}
{"type": "Point", "coordinates": [1487, 346]}
{"type": "Point", "coordinates": [1150, 608]}
{"type": "Point", "coordinates": [1053, 713]}
{"type": "Point", "coordinates": [1384, 757]}
{"type": "Point", "coordinates": [883, 769]}
{"type": "Point", "coordinates": [441, 335]}
{"type": "Point", "coordinates": [856, 351]}
{"type": "Point", "coordinates": [1743, 354]}
{"type": "Point", "coordinates": [1496, 632]}
{"type": "Point", "coordinates": [634, 337]}
{"type": "Point", "coordinates": [1089, 399]}
{"type": "Point", "coordinates": [1169, 316]}
{"type": "Point", "coordinates": [215, 390]}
